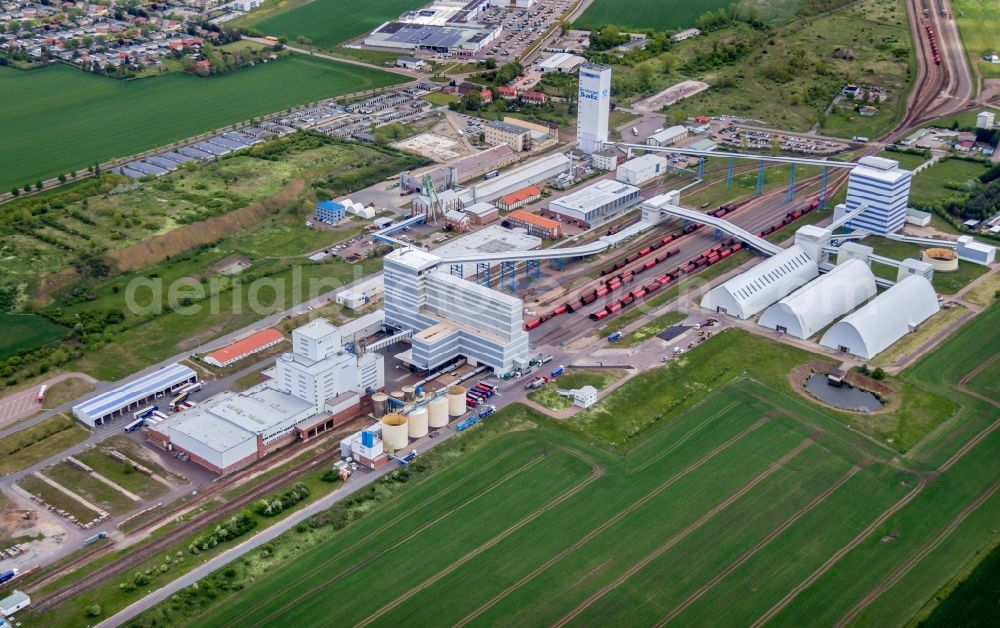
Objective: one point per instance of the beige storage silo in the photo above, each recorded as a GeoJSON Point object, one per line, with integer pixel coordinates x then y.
{"type": "Point", "coordinates": [456, 401]}
{"type": "Point", "coordinates": [394, 432]}
{"type": "Point", "coordinates": [409, 393]}
{"type": "Point", "coordinates": [437, 412]}
{"type": "Point", "coordinates": [380, 404]}
{"type": "Point", "coordinates": [416, 423]}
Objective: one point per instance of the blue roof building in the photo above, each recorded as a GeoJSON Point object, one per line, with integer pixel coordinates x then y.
{"type": "Point", "coordinates": [329, 212]}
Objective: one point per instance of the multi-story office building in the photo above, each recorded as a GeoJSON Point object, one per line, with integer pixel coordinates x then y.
{"type": "Point", "coordinates": [884, 187]}
{"type": "Point", "coordinates": [594, 107]}
{"type": "Point", "coordinates": [517, 137]}
{"type": "Point", "coordinates": [450, 316]}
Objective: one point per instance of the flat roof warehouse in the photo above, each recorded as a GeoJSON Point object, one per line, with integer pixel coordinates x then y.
{"type": "Point", "coordinates": [110, 405]}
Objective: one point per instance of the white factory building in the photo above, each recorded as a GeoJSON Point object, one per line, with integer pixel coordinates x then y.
{"type": "Point", "coordinates": [809, 309]}
{"type": "Point", "coordinates": [668, 136]}
{"type": "Point", "coordinates": [885, 188]}
{"type": "Point", "coordinates": [362, 294]}
{"type": "Point", "coordinates": [594, 107]}
{"type": "Point", "coordinates": [749, 293]}
{"type": "Point", "coordinates": [593, 204]}
{"type": "Point", "coordinates": [884, 320]}
{"type": "Point", "coordinates": [451, 317]}
{"type": "Point", "coordinates": [561, 62]}
{"type": "Point", "coordinates": [641, 169]}
{"type": "Point", "coordinates": [534, 172]}
{"type": "Point", "coordinates": [315, 387]}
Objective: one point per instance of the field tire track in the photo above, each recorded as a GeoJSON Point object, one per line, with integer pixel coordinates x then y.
{"type": "Point", "coordinates": [596, 473]}
{"type": "Point", "coordinates": [787, 523]}
{"type": "Point", "coordinates": [978, 438]}
{"type": "Point", "coordinates": [905, 568]}
{"type": "Point", "coordinates": [354, 567]}
{"type": "Point", "coordinates": [680, 536]}
{"type": "Point", "coordinates": [835, 558]}
{"type": "Point", "coordinates": [963, 383]}
{"type": "Point", "coordinates": [610, 522]}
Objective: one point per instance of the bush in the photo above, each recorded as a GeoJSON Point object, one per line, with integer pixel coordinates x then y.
{"type": "Point", "coordinates": [878, 373]}
{"type": "Point", "coordinates": [275, 505]}
{"type": "Point", "coordinates": [330, 475]}
{"type": "Point", "coordinates": [94, 610]}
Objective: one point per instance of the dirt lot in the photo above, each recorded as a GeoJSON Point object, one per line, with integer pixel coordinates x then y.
{"type": "Point", "coordinates": [674, 93]}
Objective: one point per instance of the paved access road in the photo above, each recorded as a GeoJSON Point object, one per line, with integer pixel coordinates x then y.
{"type": "Point", "coordinates": [19, 405]}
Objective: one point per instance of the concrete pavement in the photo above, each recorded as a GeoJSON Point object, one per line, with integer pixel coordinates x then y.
{"type": "Point", "coordinates": [24, 403]}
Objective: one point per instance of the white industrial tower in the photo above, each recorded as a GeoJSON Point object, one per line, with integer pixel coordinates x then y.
{"type": "Point", "coordinates": [594, 107]}
{"type": "Point", "coordinates": [884, 187]}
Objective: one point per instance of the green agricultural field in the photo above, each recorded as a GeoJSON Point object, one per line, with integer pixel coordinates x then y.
{"type": "Point", "coordinates": [979, 26]}
{"type": "Point", "coordinates": [974, 601]}
{"type": "Point", "coordinates": [25, 331]}
{"type": "Point", "coordinates": [89, 118]}
{"type": "Point", "coordinates": [324, 23]}
{"type": "Point", "coordinates": [642, 14]}
{"type": "Point", "coordinates": [750, 505]}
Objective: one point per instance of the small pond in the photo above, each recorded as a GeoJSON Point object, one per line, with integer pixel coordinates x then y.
{"type": "Point", "coordinates": [845, 396]}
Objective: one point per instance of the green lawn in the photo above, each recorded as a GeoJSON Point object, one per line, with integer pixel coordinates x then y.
{"type": "Point", "coordinates": [642, 14]}
{"type": "Point", "coordinates": [39, 442]}
{"type": "Point", "coordinates": [650, 329]}
{"type": "Point", "coordinates": [944, 283]}
{"type": "Point", "coordinates": [326, 23]}
{"type": "Point", "coordinates": [115, 471]}
{"type": "Point", "coordinates": [979, 26]}
{"type": "Point", "coordinates": [26, 331]}
{"type": "Point", "coordinates": [440, 98]}
{"type": "Point", "coordinates": [941, 180]}
{"type": "Point", "coordinates": [66, 390]}
{"type": "Point", "coordinates": [572, 379]}
{"type": "Point", "coordinates": [908, 161]}
{"type": "Point", "coordinates": [90, 488]}
{"type": "Point", "coordinates": [80, 125]}
{"type": "Point", "coordinates": [57, 498]}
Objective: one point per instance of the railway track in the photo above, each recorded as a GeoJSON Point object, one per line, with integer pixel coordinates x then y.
{"type": "Point", "coordinates": [117, 567]}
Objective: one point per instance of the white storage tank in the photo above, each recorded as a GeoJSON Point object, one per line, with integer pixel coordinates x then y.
{"type": "Point", "coordinates": [417, 422]}
{"type": "Point", "coordinates": [437, 412]}
{"type": "Point", "coordinates": [394, 432]}
{"type": "Point", "coordinates": [456, 401]}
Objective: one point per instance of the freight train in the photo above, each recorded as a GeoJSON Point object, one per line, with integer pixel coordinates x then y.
{"type": "Point", "coordinates": [626, 278]}
{"type": "Point", "coordinates": [933, 43]}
